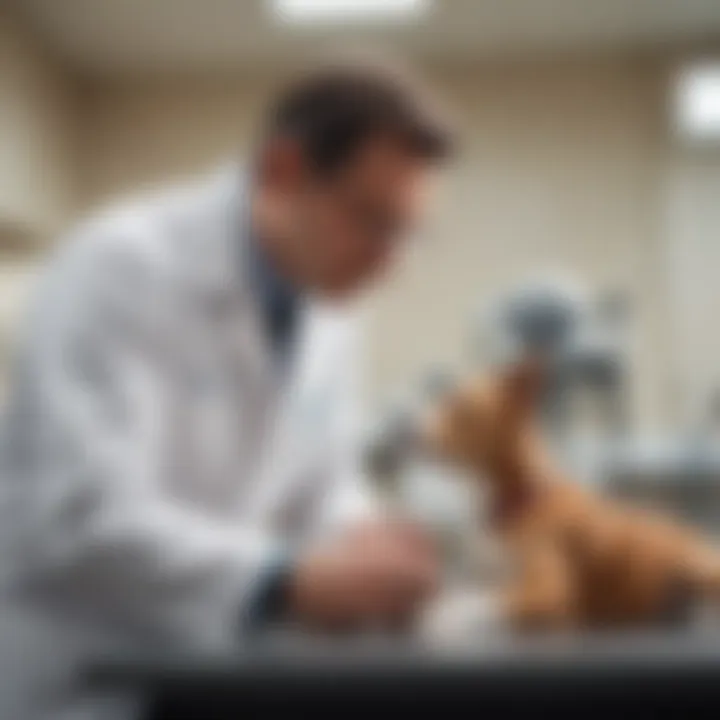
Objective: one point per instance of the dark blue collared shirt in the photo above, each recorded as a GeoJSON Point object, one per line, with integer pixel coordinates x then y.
{"type": "Point", "coordinates": [279, 302]}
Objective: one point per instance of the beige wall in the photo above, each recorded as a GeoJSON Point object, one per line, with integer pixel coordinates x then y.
{"type": "Point", "coordinates": [693, 233]}
{"type": "Point", "coordinates": [37, 134]}
{"type": "Point", "coordinates": [563, 166]}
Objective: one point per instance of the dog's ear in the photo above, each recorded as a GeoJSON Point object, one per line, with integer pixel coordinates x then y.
{"type": "Point", "coordinates": [522, 385]}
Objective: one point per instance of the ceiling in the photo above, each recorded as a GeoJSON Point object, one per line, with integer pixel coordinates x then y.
{"type": "Point", "coordinates": [138, 36]}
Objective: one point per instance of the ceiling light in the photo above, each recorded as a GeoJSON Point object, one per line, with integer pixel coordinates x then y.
{"type": "Point", "coordinates": [698, 102]}
{"type": "Point", "coordinates": [340, 11]}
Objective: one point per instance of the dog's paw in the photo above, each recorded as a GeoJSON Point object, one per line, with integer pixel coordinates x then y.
{"type": "Point", "coordinates": [459, 616]}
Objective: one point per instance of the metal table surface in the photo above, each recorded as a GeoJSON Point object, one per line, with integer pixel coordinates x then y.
{"type": "Point", "coordinates": [675, 675]}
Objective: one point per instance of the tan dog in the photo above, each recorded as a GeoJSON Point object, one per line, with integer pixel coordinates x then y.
{"type": "Point", "coordinates": [582, 561]}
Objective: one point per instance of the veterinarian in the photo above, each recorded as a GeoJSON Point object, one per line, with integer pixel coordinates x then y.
{"type": "Point", "coordinates": [178, 464]}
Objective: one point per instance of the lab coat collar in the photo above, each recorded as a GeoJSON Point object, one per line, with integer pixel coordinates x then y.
{"type": "Point", "coordinates": [221, 270]}
{"type": "Point", "coordinates": [219, 232]}
{"type": "Point", "coordinates": [222, 276]}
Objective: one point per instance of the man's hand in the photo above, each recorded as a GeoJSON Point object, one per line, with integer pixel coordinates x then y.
{"type": "Point", "coordinates": [377, 576]}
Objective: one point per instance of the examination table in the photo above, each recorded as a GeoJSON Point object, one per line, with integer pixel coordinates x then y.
{"type": "Point", "coordinates": [670, 675]}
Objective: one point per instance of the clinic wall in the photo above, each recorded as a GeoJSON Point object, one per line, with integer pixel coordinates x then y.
{"type": "Point", "coordinates": [563, 166]}
{"type": "Point", "coordinates": [37, 133]}
{"type": "Point", "coordinates": [693, 247]}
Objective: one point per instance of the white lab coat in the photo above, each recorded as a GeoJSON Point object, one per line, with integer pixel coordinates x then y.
{"type": "Point", "coordinates": [152, 460]}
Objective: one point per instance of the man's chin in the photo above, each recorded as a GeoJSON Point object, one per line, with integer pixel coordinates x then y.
{"type": "Point", "coordinates": [341, 292]}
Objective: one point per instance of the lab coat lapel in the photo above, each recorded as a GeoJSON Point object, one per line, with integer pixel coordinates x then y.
{"type": "Point", "coordinates": [231, 321]}
{"type": "Point", "coordinates": [262, 388]}
{"type": "Point", "coordinates": [222, 277]}
{"type": "Point", "coordinates": [294, 447]}
{"type": "Point", "coordinates": [277, 431]}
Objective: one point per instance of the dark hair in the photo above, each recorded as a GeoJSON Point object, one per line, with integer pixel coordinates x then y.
{"type": "Point", "coordinates": [334, 108]}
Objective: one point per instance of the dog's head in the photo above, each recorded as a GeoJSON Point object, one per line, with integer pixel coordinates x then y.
{"type": "Point", "coordinates": [485, 423]}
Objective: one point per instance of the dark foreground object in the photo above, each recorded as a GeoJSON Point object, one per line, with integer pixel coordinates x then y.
{"type": "Point", "coordinates": [666, 676]}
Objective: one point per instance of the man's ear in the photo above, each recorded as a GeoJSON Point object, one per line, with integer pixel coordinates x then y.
{"type": "Point", "coordinates": [282, 164]}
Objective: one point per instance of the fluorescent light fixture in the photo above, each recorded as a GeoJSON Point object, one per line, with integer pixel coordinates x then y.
{"type": "Point", "coordinates": [308, 12]}
{"type": "Point", "coordinates": [698, 102]}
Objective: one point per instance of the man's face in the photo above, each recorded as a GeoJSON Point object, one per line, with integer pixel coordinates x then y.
{"type": "Point", "coordinates": [351, 225]}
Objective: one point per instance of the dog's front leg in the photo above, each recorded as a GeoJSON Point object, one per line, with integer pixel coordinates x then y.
{"type": "Point", "coordinates": [542, 594]}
